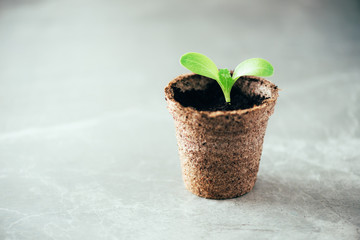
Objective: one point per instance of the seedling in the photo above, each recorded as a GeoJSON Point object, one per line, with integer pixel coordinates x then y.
{"type": "Point", "coordinates": [202, 65]}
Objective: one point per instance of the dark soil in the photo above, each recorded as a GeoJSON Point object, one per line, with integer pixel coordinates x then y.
{"type": "Point", "coordinates": [212, 99]}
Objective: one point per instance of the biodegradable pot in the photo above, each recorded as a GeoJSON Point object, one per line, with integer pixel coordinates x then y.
{"type": "Point", "coordinates": [220, 150]}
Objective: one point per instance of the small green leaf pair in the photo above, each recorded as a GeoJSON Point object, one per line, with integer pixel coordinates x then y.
{"type": "Point", "coordinates": [202, 65]}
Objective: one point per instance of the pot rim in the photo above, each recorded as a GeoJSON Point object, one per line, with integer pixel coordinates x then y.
{"type": "Point", "coordinates": [169, 96]}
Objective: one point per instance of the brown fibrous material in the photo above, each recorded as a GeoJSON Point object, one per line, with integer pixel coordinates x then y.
{"type": "Point", "coordinates": [220, 151]}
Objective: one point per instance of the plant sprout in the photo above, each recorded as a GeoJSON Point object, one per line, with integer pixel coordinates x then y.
{"type": "Point", "coordinates": [202, 65]}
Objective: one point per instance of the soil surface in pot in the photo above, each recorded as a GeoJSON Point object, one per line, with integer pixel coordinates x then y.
{"type": "Point", "coordinates": [212, 99]}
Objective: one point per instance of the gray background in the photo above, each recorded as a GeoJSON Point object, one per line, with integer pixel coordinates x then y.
{"type": "Point", "coordinates": [88, 149]}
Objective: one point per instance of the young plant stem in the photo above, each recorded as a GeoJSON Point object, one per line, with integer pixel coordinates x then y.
{"type": "Point", "coordinates": [226, 82]}
{"type": "Point", "coordinates": [227, 97]}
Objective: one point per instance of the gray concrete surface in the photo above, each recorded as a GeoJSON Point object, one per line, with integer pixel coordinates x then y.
{"type": "Point", "coordinates": [88, 149]}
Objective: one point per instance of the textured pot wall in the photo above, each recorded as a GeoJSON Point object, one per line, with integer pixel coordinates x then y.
{"type": "Point", "coordinates": [220, 151]}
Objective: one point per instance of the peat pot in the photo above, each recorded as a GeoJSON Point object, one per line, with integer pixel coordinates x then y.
{"type": "Point", "coordinates": [220, 150]}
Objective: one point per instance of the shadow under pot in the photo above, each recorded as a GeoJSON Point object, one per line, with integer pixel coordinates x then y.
{"type": "Point", "coordinates": [220, 150]}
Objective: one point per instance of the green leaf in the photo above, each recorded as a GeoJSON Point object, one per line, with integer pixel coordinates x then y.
{"type": "Point", "coordinates": [200, 64]}
{"type": "Point", "coordinates": [254, 67]}
{"type": "Point", "coordinates": [226, 82]}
